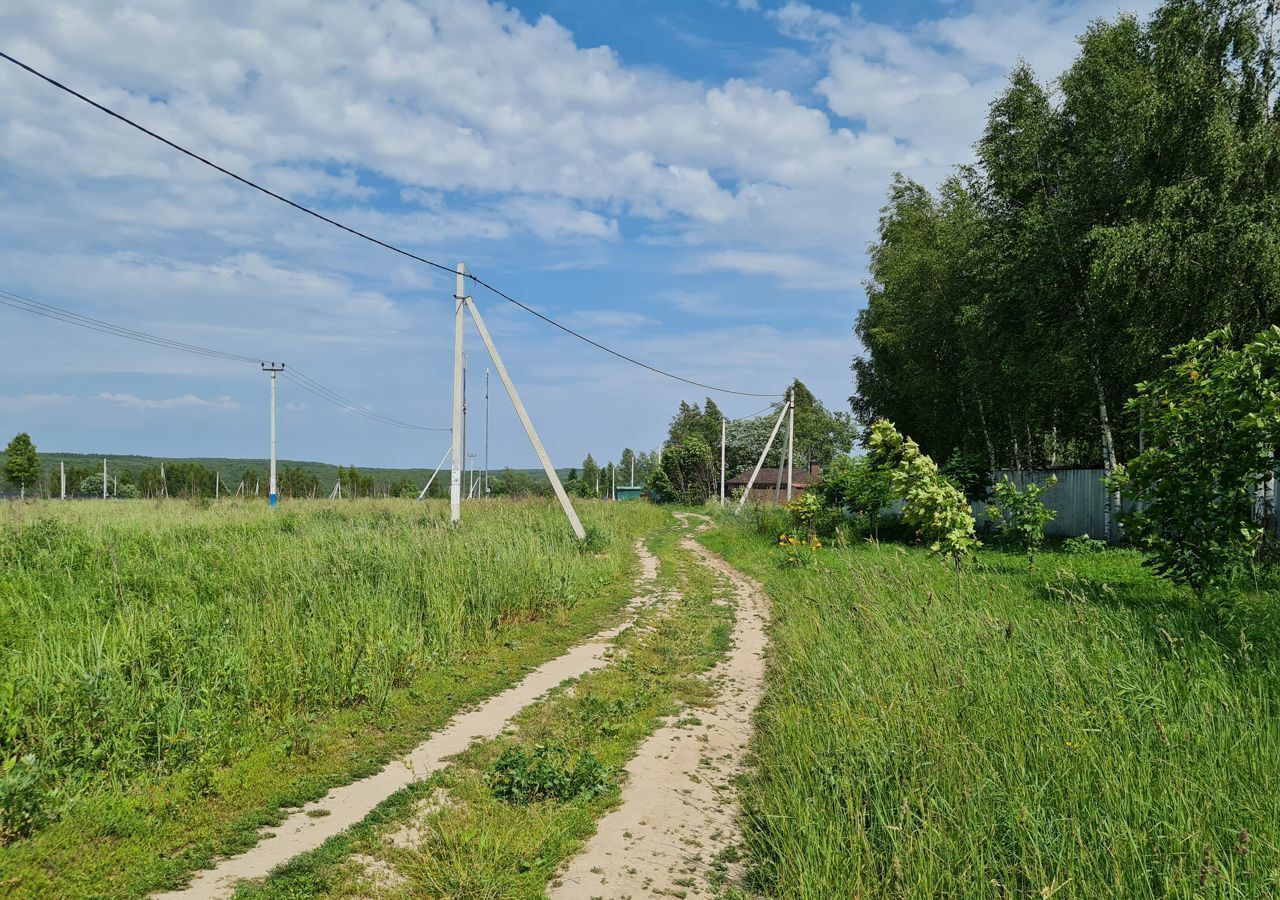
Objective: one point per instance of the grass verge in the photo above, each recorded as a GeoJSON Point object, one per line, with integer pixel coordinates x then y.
{"type": "Point", "coordinates": [1076, 729]}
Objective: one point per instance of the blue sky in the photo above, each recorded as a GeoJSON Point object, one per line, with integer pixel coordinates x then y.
{"type": "Point", "coordinates": [693, 183]}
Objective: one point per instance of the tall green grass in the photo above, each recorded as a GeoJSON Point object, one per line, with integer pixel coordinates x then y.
{"type": "Point", "coordinates": [139, 638]}
{"type": "Point", "coordinates": [1079, 729]}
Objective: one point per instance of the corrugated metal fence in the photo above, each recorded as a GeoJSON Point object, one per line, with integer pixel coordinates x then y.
{"type": "Point", "coordinates": [1080, 501]}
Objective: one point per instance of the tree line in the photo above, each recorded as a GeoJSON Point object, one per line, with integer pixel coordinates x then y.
{"type": "Point", "coordinates": [1128, 207]}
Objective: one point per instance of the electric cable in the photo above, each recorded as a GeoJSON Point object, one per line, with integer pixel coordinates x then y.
{"type": "Point", "coordinates": [364, 235]}
{"type": "Point", "coordinates": [66, 316]}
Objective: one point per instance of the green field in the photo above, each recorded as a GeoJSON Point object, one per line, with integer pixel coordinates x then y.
{"type": "Point", "coordinates": [1078, 729]}
{"type": "Point", "coordinates": [175, 672]}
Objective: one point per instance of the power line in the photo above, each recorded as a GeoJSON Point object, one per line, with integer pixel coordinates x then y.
{"type": "Point", "coordinates": [361, 234]}
{"type": "Point", "coordinates": [66, 316]}
{"type": "Point", "coordinates": [582, 337]}
{"type": "Point", "coordinates": [768, 409]}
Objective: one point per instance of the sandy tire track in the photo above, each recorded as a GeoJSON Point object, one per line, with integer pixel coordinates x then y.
{"type": "Point", "coordinates": [341, 808]}
{"type": "Point", "coordinates": [679, 806]}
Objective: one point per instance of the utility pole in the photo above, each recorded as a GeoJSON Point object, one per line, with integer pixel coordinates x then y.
{"type": "Point", "coordinates": [273, 368]}
{"type": "Point", "coordinates": [552, 476]}
{"type": "Point", "coordinates": [486, 431]}
{"type": "Point", "coordinates": [760, 462]}
{"type": "Point", "coordinates": [613, 481]}
{"type": "Point", "coordinates": [455, 474]}
{"type": "Point", "coordinates": [104, 479]}
{"type": "Point", "coordinates": [217, 484]}
{"type": "Point", "coordinates": [467, 466]}
{"type": "Point", "coordinates": [791, 441]}
{"type": "Point", "coordinates": [62, 474]}
{"type": "Point", "coordinates": [633, 468]}
{"type": "Point", "coordinates": [724, 430]}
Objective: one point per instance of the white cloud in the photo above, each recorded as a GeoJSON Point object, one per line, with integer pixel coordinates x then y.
{"type": "Point", "coordinates": [929, 85]}
{"type": "Point", "coordinates": [186, 401]}
{"type": "Point", "coordinates": [793, 270]}
{"type": "Point", "coordinates": [23, 401]}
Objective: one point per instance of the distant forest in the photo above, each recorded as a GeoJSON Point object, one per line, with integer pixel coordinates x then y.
{"type": "Point", "coordinates": [140, 476]}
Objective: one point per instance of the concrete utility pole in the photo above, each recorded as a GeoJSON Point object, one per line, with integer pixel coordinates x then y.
{"type": "Point", "coordinates": [791, 441]}
{"type": "Point", "coordinates": [554, 478]}
{"type": "Point", "coordinates": [763, 453]}
{"type": "Point", "coordinates": [217, 484]}
{"type": "Point", "coordinates": [486, 432]}
{"type": "Point", "coordinates": [455, 474]}
{"type": "Point", "coordinates": [273, 368]}
{"type": "Point", "coordinates": [613, 481]}
{"type": "Point", "coordinates": [62, 475]}
{"type": "Point", "coordinates": [104, 479]}
{"type": "Point", "coordinates": [633, 468]}
{"type": "Point", "coordinates": [724, 430]}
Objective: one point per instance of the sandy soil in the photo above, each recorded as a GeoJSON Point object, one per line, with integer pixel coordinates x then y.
{"type": "Point", "coordinates": [678, 809]}
{"type": "Point", "coordinates": [313, 824]}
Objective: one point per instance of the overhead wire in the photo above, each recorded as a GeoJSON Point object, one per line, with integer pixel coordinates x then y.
{"type": "Point", "coordinates": [69, 317]}
{"type": "Point", "coordinates": [365, 236]}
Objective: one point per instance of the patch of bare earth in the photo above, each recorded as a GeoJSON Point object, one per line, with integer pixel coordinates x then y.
{"type": "Point", "coordinates": [341, 808]}
{"type": "Point", "coordinates": [675, 832]}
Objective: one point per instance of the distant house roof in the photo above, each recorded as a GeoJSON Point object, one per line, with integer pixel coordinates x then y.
{"type": "Point", "coordinates": [768, 477]}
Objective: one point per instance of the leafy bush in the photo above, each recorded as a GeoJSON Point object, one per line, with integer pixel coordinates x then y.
{"type": "Point", "coordinates": [548, 773]}
{"type": "Point", "coordinates": [1083, 544]}
{"type": "Point", "coordinates": [799, 551]}
{"type": "Point", "coordinates": [690, 471]}
{"type": "Point", "coordinates": [659, 486]}
{"type": "Point", "coordinates": [1212, 422]}
{"type": "Point", "coordinates": [1020, 515]}
{"type": "Point", "coordinates": [767, 519]}
{"type": "Point", "coordinates": [862, 486]}
{"type": "Point", "coordinates": [931, 504]}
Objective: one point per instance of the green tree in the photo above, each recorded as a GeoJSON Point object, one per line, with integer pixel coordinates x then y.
{"type": "Point", "coordinates": [689, 470]}
{"type": "Point", "coordinates": [930, 503]}
{"type": "Point", "coordinates": [590, 477]}
{"type": "Point", "coordinates": [296, 482]}
{"type": "Point", "coordinates": [862, 486]}
{"type": "Point", "coordinates": [1020, 515]}
{"type": "Point", "coordinates": [21, 462]}
{"type": "Point", "coordinates": [1212, 425]}
{"type": "Point", "coordinates": [1131, 208]}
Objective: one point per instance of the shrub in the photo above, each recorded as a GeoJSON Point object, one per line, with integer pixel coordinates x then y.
{"type": "Point", "coordinates": [1020, 515]}
{"type": "Point", "coordinates": [1083, 544]}
{"type": "Point", "coordinates": [548, 773]}
{"type": "Point", "coordinates": [1212, 422]}
{"type": "Point", "coordinates": [862, 486]}
{"type": "Point", "coordinates": [931, 504]}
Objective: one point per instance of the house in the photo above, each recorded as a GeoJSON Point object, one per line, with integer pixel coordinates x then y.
{"type": "Point", "coordinates": [771, 484]}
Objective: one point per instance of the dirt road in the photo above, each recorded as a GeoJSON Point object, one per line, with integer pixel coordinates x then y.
{"type": "Point", "coordinates": [675, 832]}
{"type": "Point", "coordinates": [343, 807]}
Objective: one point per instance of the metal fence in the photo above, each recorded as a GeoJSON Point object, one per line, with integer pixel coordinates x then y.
{"type": "Point", "coordinates": [1080, 501]}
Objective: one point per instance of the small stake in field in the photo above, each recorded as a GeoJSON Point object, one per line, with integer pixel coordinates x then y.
{"type": "Point", "coordinates": [273, 368]}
